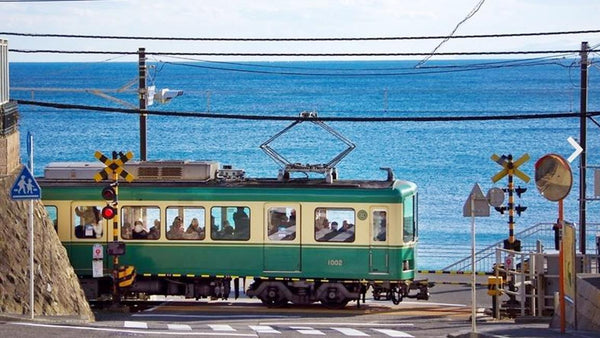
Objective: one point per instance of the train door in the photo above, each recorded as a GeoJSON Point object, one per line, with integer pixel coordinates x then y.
{"type": "Point", "coordinates": [379, 239]}
{"type": "Point", "coordinates": [282, 242]}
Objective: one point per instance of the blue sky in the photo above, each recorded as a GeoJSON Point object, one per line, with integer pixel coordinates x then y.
{"type": "Point", "coordinates": [285, 18]}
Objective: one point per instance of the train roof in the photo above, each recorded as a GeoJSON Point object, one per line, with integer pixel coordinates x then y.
{"type": "Point", "coordinates": [155, 176]}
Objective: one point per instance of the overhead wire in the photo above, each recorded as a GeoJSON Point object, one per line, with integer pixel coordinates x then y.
{"type": "Point", "coordinates": [471, 13]}
{"type": "Point", "coordinates": [256, 54]}
{"type": "Point", "coordinates": [295, 118]}
{"type": "Point", "coordinates": [302, 39]}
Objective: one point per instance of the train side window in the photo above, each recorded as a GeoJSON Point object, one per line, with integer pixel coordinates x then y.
{"type": "Point", "coordinates": [281, 224]}
{"type": "Point", "coordinates": [230, 223]}
{"type": "Point", "coordinates": [380, 225]}
{"type": "Point", "coordinates": [87, 221]}
{"type": "Point", "coordinates": [140, 222]}
{"type": "Point", "coordinates": [187, 223]}
{"type": "Point", "coordinates": [53, 215]}
{"type": "Point", "coordinates": [410, 219]}
{"type": "Point", "coordinates": [334, 225]}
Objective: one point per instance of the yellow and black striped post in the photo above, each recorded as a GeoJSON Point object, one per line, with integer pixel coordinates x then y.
{"type": "Point", "coordinates": [114, 167]}
{"type": "Point", "coordinates": [510, 169]}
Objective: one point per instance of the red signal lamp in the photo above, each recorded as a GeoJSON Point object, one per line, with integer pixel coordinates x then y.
{"type": "Point", "coordinates": [109, 212]}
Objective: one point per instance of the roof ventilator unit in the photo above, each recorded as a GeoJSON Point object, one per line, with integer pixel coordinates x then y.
{"type": "Point", "coordinates": [328, 169]}
{"type": "Point", "coordinates": [227, 173]}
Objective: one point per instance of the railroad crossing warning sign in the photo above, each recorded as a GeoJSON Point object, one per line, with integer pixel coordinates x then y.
{"type": "Point", "coordinates": [510, 167]}
{"type": "Point", "coordinates": [25, 187]}
{"type": "Point", "coordinates": [113, 166]}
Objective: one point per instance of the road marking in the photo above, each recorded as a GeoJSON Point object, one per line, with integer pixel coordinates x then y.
{"type": "Point", "coordinates": [179, 327]}
{"type": "Point", "coordinates": [135, 325]}
{"type": "Point", "coordinates": [350, 332]}
{"type": "Point", "coordinates": [367, 324]}
{"type": "Point", "coordinates": [209, 316]}
{"type": "Point", "coordinates": [263, 329]}
{"type": "Point", "coordinates": [137, 332]}
{"type": "Point", "coordinates": [221, 327]}
{"type": "Point", "coordinates": [307, 330]}
{"type": "Point", "coordinates": [394, 333]}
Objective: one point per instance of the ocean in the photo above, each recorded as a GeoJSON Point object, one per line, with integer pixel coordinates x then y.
{"type": "Point", "coordinates": [444, 158]}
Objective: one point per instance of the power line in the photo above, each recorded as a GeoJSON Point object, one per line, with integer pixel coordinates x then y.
{"type": "Point", "coordinates": [520, 52]}
{"type": "Point", "coordinates": [295, 118]}
{"type": "Point", "coordinates": [365, 73]}
{"type": "Point", "coordinates": [391, 38]}
{"type": "Point", "coordinates": [471, 13]}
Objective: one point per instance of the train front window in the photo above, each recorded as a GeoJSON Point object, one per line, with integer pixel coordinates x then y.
{"type": "Point", "coordinates": [334, 225]}
{"type": "Point", "coordinates": [140, 222]}
{"type": "Point", "coordinates": [281, 224]}
{"type": "Point", "coordinates": [186, 223]}
{"type": "Point", "coordinates": [409, 226]}
{"type": "Point", "coordinates": [380, 225]}
{"type": "Point", "coordinates": [88, 221]}
{"type": "Point", "coordinates": [230, 223]}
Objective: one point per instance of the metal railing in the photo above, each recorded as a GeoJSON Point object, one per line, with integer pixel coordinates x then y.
{"type": "Point", "coordinates": [541, 232]}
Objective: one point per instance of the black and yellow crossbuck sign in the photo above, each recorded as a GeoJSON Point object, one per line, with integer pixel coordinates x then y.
{"type": "Point", "coordinates": [510, 167]}
{"type": "Point", "coordinates": [114, 166]}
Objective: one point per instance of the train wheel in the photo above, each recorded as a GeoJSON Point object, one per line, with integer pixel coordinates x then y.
{"type": "Point", "coordinates": [396, 295]}
{"type": "Point", "coordinates": [334, 299]}
{"type": "Point", "coordinates": [271, 297]}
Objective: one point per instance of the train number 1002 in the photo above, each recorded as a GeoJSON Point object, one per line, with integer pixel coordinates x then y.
{"type": "Point", "coordinates": [335, 262]}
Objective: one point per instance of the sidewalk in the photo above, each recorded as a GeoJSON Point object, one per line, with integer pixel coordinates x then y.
{"type": "Point", "coordinates": [520, 327]}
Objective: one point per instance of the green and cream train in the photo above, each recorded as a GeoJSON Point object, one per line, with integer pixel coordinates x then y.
{"type": "Point", "coordinates": [192, 228]}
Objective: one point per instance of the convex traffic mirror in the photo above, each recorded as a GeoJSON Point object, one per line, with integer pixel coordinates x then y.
{"type": "Point", "coordinates": [553, 177]}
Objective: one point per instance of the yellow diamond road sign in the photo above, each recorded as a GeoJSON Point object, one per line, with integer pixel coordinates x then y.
{"type": "Point", "coordinates": [113, 166]}
{"type": "Point", "coordinates": [507, 168]}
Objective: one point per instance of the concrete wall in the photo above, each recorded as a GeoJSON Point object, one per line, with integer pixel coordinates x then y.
{"type": "Point", "coordinates": [588, 302]}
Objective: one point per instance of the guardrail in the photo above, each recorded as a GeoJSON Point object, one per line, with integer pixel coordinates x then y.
{"type": "Point", "coordinates": [541, 232]}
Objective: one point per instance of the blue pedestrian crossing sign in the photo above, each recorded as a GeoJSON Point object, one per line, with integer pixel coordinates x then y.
{"type": "Point", "coordinates": [25, 187]}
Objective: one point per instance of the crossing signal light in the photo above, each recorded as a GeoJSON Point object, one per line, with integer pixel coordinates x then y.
{"type": "Point", "coordinates": [109, 193]}
{"type": "Point", "coordinates": [109, 212]}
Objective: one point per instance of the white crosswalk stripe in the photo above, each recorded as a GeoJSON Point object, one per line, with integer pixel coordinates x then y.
{"type": "Point", "coordinates": [394, 333]}
{"type": "Point", "coordinates": [263, 329]}
{"type": "Point", "coordinates": [307, 330]}
{"type": "Point", "coordinates": [135, 325]}
{"type": "Point", "coordinates": [221, 327]}
{"type": "Point", "coordinates": [179, 327]}
{"type": "Point", "coordinates": [350, 332]}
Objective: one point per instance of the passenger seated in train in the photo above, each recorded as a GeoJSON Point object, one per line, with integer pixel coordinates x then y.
{"type": "Point", "coordinates": [176, 230]}
{"type": "Point", "coordinates": [139, 230]}
{"type": "Point", "coordinates": [194, 231]}
{"type": "Point", "coordinates": [154, 232]}
{"type": "Point", "coordinates": [126, 230]}
{"type": "Point", "coordinates": [90, 224]}
{"type": "Point", "coordinates": [321, 221]}
{"type": "Point", "coordinates": [226, 231]}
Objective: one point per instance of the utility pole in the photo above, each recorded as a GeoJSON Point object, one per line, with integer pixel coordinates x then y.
{"type": "Point", "coordinates": [583, 144]}
{"type": "Point", "coordinates": [143, 96]}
